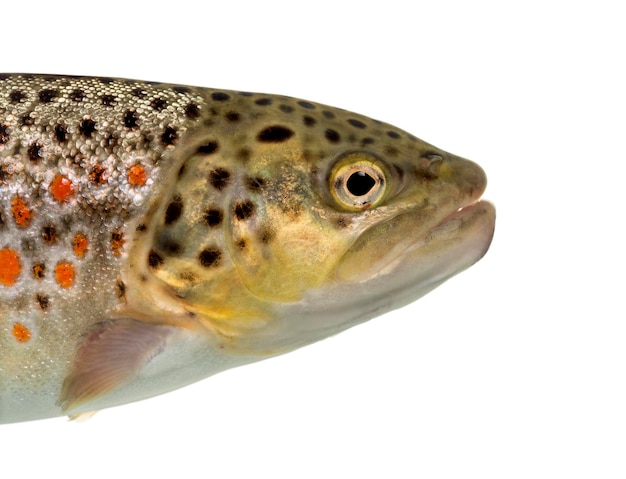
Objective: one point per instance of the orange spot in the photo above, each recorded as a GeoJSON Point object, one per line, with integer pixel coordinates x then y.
{"type": "Point", "coordinates": [21, 332]}
{"type": "Point", "coordinates": [10, 266]}
{"type": "Point", "coordinates": [117, 241]}
{"type": "Point", "coordinates": [20, 211]}
{"type": "Point", "coordinates": [65, 274]}
{"type": "Point", "coordinates": [137, 175]}
{"type": "Point", "coordinates": [80, 245]}
{"type": "Point", "coordinates": [61, 188]}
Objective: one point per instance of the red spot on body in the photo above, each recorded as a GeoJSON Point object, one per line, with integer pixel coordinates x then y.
{"type": "Point", "coordinates": [21, 333]}
{"type": "Point", "coordinates": [65, 274]}
{"type": "Point", "coordinates": [61, 188]}
{"type": "Point", "coordinates": [20, 211]}
{"type": "Point", "coordinates": [80, 245]}
{"type": "Point", "coordinates": [137, 175]}
{"type": "Point", "coordinates": [10, 266]}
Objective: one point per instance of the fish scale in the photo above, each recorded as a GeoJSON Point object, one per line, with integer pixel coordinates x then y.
{"type": "Point", "coordinates": [154, 234]}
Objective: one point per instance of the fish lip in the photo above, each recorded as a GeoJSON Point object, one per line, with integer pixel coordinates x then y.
{"type": "Point", "coordinates": [463, 237]}
{"type": "Point", "coordinates": [460, 212]}
{"type": "Point", "coordinates": [472, 223]}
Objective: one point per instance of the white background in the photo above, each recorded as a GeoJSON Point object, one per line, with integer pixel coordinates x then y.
{"type": "Point", "coordinates": [515, 368]}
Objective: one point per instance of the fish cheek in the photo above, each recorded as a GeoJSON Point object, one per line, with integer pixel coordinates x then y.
{"type": "Point", "coordinates": [286, 255]}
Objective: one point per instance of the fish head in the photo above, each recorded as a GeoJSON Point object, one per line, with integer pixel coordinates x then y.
{"type": "Point", "coordinates": [298, 226]}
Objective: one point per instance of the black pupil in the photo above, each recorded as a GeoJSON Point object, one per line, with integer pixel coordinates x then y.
{"type": "Point", "coordinates": [360, 183]}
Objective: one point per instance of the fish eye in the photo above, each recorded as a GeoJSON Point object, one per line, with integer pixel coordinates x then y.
{"type": "Point", "coordinates": [357, 182]}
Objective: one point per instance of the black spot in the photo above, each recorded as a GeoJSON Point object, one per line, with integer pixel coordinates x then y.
{"type": "Point", "coordinates": [192, 111]}
{"type": "Point", "coordinates": [108, 100]}
{"type": "Point", "coordinates": [263, 101]}
{"type": "Point", "coordinates": [173, 210]}
{"type": "Point", "coordinates": [328, 114]}
{"type": "Point", "coordinates": [309, 120]}
{"type": "Point", "coordinates": [77, 95]}
{"type": "Point", "coordinates": [154, 259]}
{"type": "Point", "coordinates": [139, 93]}
{"type": "Point", "coordinates": [213, 217]}
{"type": "Point", "coordinates": [307, 105]}
{"type": "Point", "coordinates": [60, 133]}
{"type": "Point", "coordinates": [357, 123]}
{"type": "Point", "coordinates": [208, 148]}
{"type": "Point", "coordinates": [141, 227]}
{"type": "Point", "coordinates": [244, 209]}
{"type": "Point", "coordinates": [219, 178]}
{"type": "Point", "coordinates": [47, 95]}
{"type": "Point", "coordinates": [39, 270]}
{"type": "Point", "coordinates": [210, 257]}
{"type": "Point", "coordinates": [181, 89]}
{"type": "Point", "coordinates": [131, 119]}
{"type": "Point", "coordinates": [219, 96]}
{"type": "Point", "coordinates": [393, 134]}
{"type": "Point", "coordinates": [274, 134]}
{"type": "Point", "coordinates": [35, 152]}
{"type": "Point", "coordinates": [16, 96]}
{"type": "Point", "coordinates": [98, 174]}
{"type": "Point", "coordinates": [169, 136]}
{"type": "Point", "coordinates": [286, 108]}
{"type": "Point", "coordinates": [106, 80]}
{"type": "Point", "coordinates": [241, 243]}
{"type": "Point", "coordinates": [86, 127]}
{"type": "Point", "coordinates": [367, 141]}
{"type": "Point", "coordinates": [121, 288]}
{"type": "Point", "coordinates": [158, 104]}
{"type": "Point", "coordinates": [43, 300]}
{"type": "Point", "coordinates": [255, 183]}
{"type": "Point", "coordinates": [332, 135]}
{"type": "Point", "coordinates": [181, 170]}
{"type": "Point", "coordinates": [4, 134]}
{"type": "Point", "coordinates": [49, 234]}
{"type": "Point", "coordinates": [28, 120]}
{"type": "Point", "coordinates": [233, 116]}
{"type": "Point", "coordinates": [110, 141]}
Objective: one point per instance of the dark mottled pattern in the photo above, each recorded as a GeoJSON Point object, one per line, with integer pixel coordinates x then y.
{"type": "Point", "coordinates": [129, 184]}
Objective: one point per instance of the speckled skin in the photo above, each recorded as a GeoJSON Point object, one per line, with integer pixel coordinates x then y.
{"type": "Point", "coordinates": [152, 234]}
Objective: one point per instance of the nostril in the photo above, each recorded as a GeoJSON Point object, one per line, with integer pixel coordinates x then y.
{"type": "Point", "coordinates": [429, 164]}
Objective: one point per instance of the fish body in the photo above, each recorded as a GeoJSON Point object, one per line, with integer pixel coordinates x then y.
{"type": "Point", "coordinates": [152, 235]}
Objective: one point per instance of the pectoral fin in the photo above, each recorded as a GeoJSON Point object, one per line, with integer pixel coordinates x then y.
{"type": "Point", "coordinates": [112, 354]}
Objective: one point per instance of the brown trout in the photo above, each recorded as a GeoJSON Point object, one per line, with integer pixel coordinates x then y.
{"type": "Point", "coordinates": [152, 235]}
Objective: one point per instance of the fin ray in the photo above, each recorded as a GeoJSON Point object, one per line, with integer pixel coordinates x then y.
{"type": "Point", "coordinates": [111, 355]}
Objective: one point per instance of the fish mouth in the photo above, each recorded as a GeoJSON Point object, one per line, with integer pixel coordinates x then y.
{"type": "Point", "coordinates": [456, 242]}
{"type": "Point", "coordinates": [461, 239]}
